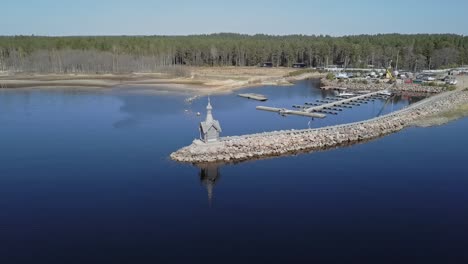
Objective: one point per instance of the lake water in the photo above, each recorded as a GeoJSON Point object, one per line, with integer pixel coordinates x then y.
{"type": "Point", "coordinates": [85, 178]}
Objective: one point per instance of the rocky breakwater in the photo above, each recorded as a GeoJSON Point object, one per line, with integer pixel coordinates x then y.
{"type": "Point", "coordinates": [256, 146]}
{"type": "Point", "coordinates": [357, 85]}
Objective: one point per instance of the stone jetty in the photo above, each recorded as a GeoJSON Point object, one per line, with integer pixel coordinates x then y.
{"type": "Point", "coordinates": [270, 144]}
{"type": "Point", "coordinates": [355, 85]}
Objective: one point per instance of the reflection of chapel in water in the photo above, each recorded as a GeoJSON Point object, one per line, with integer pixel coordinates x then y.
{"type": "Point", "coordinates": [209, 176]}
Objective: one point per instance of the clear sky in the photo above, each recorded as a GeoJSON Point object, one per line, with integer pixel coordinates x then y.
{"type": "Point", "coordinates": [182, 17]}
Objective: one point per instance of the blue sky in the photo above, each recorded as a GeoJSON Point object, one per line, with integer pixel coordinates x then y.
{"type": "Point", "coordinates": [182, 17]}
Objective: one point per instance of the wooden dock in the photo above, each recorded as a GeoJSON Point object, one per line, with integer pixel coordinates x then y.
{"type": "Point", "coordinates": [253, 96]}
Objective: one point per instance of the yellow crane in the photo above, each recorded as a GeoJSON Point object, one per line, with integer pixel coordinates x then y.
{"type": "Point", "coordinates": [390, 74]}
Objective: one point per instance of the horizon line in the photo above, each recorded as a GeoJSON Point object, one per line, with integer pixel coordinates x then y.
{"type": "Point", "coordinates": [234, 33]}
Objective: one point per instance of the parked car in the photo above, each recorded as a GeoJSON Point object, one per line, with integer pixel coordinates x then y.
{"type": "Point", "coordinates": [342, 76]}
{"type": "Point", "coordinates": [451, 81]}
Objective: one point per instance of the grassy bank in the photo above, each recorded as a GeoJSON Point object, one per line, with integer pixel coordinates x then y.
{"type": "Point", "coordinates": [444, 117]}
{"type": "Point", "coordinates": [302, 72]}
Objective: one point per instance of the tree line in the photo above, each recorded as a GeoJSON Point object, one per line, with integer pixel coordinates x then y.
{"type": "Point", "coordinates": [101, 54]}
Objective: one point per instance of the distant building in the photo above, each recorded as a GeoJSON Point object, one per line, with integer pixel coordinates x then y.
{"type": "Point", "coordinates": [341, 64]}
{"type": "Point", "coordinates": [210, 128]}
{"type": "Point", "coordinates": [299, 65]}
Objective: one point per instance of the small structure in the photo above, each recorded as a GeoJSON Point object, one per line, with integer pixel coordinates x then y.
{"type": "Point", "coordinates": [267, 65]}
{"type": "Point", "coordinates": [299, 65]}
{"type": "Point", "coordinates": [210, 128]}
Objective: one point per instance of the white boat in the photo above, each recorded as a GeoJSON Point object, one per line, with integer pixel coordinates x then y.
{"type": "Point", "coordinates": [386, 93]}
{"type": "Point", "coordinates": [344, 94]}
{"type": "Point", "coordinates": [342, 76]}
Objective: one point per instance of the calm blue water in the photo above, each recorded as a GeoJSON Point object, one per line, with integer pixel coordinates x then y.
{"type": "Point", "coordinates": [85, 178]}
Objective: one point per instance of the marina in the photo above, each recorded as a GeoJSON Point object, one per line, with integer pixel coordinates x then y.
{"type": "Point", "coordinates": [278, 143]}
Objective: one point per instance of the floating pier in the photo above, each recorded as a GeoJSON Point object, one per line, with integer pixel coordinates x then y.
{"type": "Point", "coordinates": [284, 112]}
{"type": "Point", "coordinates": [253, 96]}
{"type": "Point", "coordinates": [336, 88]}
{"type": "Point", "coordinates": [355, 100]}
{"type": "Point", "coordinates": [320, 108]}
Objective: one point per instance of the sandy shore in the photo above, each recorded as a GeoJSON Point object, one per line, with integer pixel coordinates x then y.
{"type": "Point", "coordinates": [201, 80]}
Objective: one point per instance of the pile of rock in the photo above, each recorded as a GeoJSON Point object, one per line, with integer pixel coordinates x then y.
{"type": "Point", "coordinates": [377, 86]}
{"type": "Point", "coordinates": [293, 141]}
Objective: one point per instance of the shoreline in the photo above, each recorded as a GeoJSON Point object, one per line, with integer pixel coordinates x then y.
{"type": "Point", "coordinates": [354, 85]}
{"type": "Point", "coordinates": [202, 80]}
{"type": "Point", "coordinates": [206, 81]}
